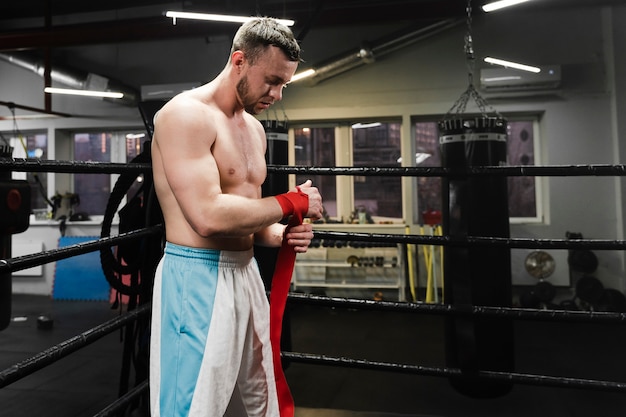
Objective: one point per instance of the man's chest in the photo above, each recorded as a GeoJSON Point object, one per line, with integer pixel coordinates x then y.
{"type": "Point", "coordinates": [240, 161]}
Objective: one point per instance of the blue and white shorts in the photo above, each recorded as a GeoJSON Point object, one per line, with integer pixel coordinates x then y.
{"type": "Point", "coordinates": [210, 352]}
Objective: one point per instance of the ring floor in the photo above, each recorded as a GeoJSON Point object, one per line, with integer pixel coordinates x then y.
{"type": "Point", "coordinates": [87, 381]}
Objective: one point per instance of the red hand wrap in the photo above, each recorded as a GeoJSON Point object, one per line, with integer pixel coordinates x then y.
{"type": "Point", "coordinates": [294, 202]}
{"type": "Point", "coordinates": [298, 205]}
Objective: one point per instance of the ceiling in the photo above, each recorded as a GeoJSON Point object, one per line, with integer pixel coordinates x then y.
{"type": "Point", "coordinates": [36, 26]}
{"type": "Point", "coordinates": [124, 17]}
{"type": "Point", "coordinates": [28, 24]}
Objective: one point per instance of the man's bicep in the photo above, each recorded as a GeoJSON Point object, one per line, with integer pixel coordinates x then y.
{"type": "Point", "coordinates": [188, 163]}
{"type": "Point", "coordinates": [193, 172]}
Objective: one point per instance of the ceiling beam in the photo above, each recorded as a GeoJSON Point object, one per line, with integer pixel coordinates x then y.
{"type": "Point", "coordinates": [130, 30]}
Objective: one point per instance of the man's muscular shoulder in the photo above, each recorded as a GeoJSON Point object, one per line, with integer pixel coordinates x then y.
{"type": "Point", "coordinates": [185, 105]}
{"type": "Point", "coordinates": [184, 113]}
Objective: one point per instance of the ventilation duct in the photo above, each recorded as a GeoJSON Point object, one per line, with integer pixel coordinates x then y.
{"type": "Point", "coordinates": [369, 54]}
{"type": "Point", "coordinates": [73, 78]}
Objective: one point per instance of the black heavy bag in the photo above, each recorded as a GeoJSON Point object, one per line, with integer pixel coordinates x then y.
{"type": "Point", "coordinates": [275, 183]}
{"type": "Point", "coordinates": [15, 208]}
{"type": "Point", "coordinates": [277, 154]}
{"type": "Point", "coordinates": [476, 276]}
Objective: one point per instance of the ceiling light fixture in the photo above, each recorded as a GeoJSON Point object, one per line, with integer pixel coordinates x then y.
{"type": "Point", "coordinates": [501, 4]}
{"type": "Point", "coordinates": [135, 135]}
{"type": "Point", "coordinates": [509, 64]}
{"type": "Point", "coordinates": [365, 125]}
{"type": "Point", "coordinates": [89, 93]}
{"type": "Point", "coordinates": [303, 74]}
{"type": "Point", "coordinates": [218, 17]}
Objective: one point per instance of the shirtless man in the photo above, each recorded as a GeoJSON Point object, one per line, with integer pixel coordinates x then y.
{"type": "Point", "coordinates": [210, 349]}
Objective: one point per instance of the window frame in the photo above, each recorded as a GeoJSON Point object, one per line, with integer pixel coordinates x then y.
{"type": "Point", "coordinates": [540, 203]}
{"type": "Point", "coordinates": [118, 152]}
{"type": "Point", "coordinates": [343, 158]}
{"type": "Point", "coordinates": [540, 206]}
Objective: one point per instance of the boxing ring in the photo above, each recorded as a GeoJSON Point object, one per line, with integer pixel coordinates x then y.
{"type": "Point", "coordinates": [150, 235]}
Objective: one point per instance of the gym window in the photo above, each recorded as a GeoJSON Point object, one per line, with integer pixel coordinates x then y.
{"type": "Point", "coordinates": [93, 190]}
{"type": "Point", "coordinates": [377, 144]}
{"type": "Point", "coordinates": [522, 149]}
{"type": "Point", "coordinates": [358, 144]}
{"type": "Point", "coordinates": [315, 146]}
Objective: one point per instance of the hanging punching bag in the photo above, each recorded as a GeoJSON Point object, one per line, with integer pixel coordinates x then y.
{"type": "Point", "coordinates": [15, 210]}
{"type": "Point", "coordinates": [276, 154]}
{"type": "Point", "coordinates": [476, 276]}
{"type": "Point", "coordinates": [275, 183]}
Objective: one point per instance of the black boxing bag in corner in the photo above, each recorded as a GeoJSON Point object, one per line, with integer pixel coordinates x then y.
{"type": "Point", "coordinates": [476, 276]}
{"type": "Point", "coordinates": [15, 208]}
{"type": "Point", "coordinates": [277, 154]}
{"type": "Point", "coordinates": [275, 183]}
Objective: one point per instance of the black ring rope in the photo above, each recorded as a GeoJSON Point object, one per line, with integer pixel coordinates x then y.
{"type": "Point", "coordinates": [70, 167]}
{"type": "Point", "coordinates": [515, 243]}
{"type": "Point", "coordinates": [118, 405]}
{"type": "Point", "coordinates": [512, 313]}
{"type": "Point", "coordinates": [63, 349]}
{"type": "Point", "coordinates": [511, 377]}
{"type": "Point", "coordinates": [28, 261]}
{"type": "Point", "coordinates": [98, 167]}
{"type": "Point", "coordinates": [508, 171]}
{"type": "Point", "coordinates": [67, 167]}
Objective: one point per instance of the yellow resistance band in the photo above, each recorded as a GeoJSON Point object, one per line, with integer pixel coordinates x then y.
{"type": "Point", "coordinates": [409, 257]}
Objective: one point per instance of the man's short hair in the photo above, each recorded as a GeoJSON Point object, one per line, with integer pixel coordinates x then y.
{"type": "Point", "coordinates": [254, 36]}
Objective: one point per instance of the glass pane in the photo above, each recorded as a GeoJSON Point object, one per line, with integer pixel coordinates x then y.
{"type": "Point", "coordinates": [32, 146]}
{"type": "Point", "coordinates": [315, 146]}
{"type": "Point", "coordinates": [135, 143]}
{"type": "Point", "coordinates": [427, 155]}
{"type": "Point", "coordinates": [377, 145]}
{"type": "Point", "coordinates": [92, 189]}
{"type": "Point", "coordinates": [521, 151]}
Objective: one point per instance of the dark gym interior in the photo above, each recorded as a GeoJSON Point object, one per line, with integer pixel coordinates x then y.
{"type": "Point", "coordinates": [398, 69]}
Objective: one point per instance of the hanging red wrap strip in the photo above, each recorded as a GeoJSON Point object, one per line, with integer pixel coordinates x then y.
{"type": "Point", "coordinates": [278, 299]}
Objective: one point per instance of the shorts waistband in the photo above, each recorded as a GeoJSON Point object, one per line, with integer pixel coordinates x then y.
{"type": "Point", "coordinates": [214, 257]}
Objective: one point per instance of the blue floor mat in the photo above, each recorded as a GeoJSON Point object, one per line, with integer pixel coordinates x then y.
{"type": "Point", "coordinates": [80, 277]}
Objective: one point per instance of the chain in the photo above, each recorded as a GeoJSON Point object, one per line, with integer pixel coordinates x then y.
{"type": "Point", "coordinates": [461, 104]}
{"type": "Point", "coordinates": [469, 44]}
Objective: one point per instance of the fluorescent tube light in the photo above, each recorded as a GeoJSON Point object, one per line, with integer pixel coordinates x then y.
{"type": "Point", "coordinates": [500, 79]}
{"type": "Point", "coordinates": [28, 117]}
{"type": "Point", "coordinates": [218, 17]}
{"type": "Point", "coordinates": [135, 135]}
{"type": "Point", "coordinates": [510, 64]}
{"type": "Point", "coordinates": [90, 93]}
{"type": "Point", "coordinates": [501, 4]}
{"type": "Point", "coordinates": [303, 74]}
{"type": "Point", "coordinates": [365, 125]}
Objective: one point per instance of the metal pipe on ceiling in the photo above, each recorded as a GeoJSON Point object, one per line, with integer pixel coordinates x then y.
{"type": "Point", "coordinates": [368, 54]}
{"type": "Point", "coordinates": [73, 78]}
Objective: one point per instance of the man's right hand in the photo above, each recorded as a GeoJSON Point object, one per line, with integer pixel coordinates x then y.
{"type": "Point", "coordinates": [315, 200]}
